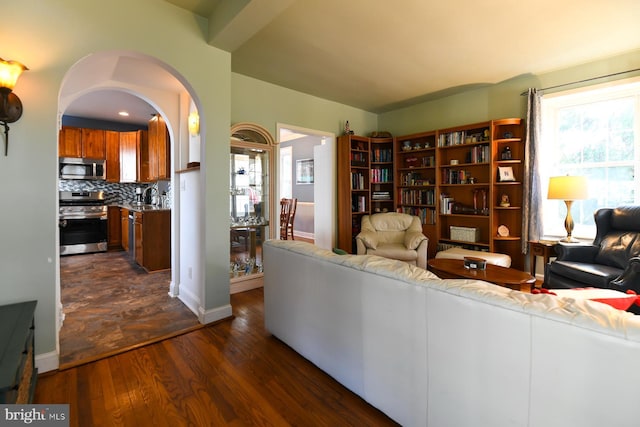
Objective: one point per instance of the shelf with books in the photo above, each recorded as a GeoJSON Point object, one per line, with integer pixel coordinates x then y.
{"type": "Point", "coordinates": [415, 180]}
{"type": "Point", "coordinates": [381, 179]}
{"type": "Point", "coordinates": [353, 187]}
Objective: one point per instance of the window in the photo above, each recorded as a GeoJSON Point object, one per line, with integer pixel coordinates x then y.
{"type": "Point", "coordinates": [595, 133]}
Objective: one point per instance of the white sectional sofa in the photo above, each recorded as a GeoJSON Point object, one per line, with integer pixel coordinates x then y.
{"type": "Point", "coordinates": [431, 352]}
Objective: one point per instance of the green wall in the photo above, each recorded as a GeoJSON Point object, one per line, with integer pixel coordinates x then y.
{"type": "Point", "coordinates": [49, 37]}
{"type": "Point", "coordinates": [267, 104]}
{"type": "Point", "coordinates": [500, 100]}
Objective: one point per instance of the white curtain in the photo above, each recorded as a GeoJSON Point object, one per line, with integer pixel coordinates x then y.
{"type": "Point", "coordinates": [532, 197]}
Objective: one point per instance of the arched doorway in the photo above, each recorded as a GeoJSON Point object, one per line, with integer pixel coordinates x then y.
{"type": "Point", "coordinates": [251, 201]}
{"type": "Point", "coordinates": [165, 92]}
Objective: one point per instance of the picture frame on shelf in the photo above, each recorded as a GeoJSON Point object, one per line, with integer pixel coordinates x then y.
{"type": "Point", "coordinates": [304, 171]}
{"type": "Point", "coordinates": [505, 174]}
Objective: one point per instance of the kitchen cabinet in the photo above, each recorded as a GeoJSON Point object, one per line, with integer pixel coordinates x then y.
{"type": "Point", "coordinates": [114, 227]}
{"type": "Point", "coordinates": [124, 228]}
{"type": "Point", "coordinates": [93, 144]}
{"type": "Point", "coordinates": [158, 150]}
{"type": "Point", "coordinates": [70, 142]}
{"type": "Point", "coordinates": [152, 235]}
{"type": "Point", "coordinates": [131, 164]}
{"type": "Point", "coordinates": [112, 142]}
{"type": "Point", "coordinates": [82, 142]}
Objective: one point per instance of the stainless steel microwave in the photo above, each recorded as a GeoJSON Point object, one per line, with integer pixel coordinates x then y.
{"type": "Point", "coordinates": [78, 168]}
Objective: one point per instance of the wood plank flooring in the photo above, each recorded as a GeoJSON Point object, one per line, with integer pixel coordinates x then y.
{"type": "Point", "coordinates": [230, 373]}
{"type": "Point", "coordinates": [111, 305]}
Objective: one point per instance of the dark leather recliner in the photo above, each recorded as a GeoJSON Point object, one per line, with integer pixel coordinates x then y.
{"type": "Point", "coordinates": [617, 241]}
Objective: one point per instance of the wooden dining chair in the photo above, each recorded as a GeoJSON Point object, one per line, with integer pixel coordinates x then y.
{"type": "Point", "coordinates": [287, 217]}
{"type": "Point", "coordinates": [285, 211]}
{"type": "Point", "coordinates": [292, 216]}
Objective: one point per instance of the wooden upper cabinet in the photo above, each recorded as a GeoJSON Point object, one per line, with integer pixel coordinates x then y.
{"type": "Point", "coordinates": [144, 170]}
{"type": "Point", "coordinates": [164, 153]}
{"type": "Point", "coordinates": [128, 156]}
{"type": "Point", "coordinates": [70, 142]}
{"type": "Point", "coordinates": [158, 149]}
{"type": "Point", "coordinates": [112, 141]}
{"type": "Point", "coordinates": [93, 144]}
{"type": "Point", "coordinates": [81, 142]}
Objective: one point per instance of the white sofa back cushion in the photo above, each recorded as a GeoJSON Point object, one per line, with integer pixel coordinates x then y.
{"type": "Point", "coordinates": [452, 352]}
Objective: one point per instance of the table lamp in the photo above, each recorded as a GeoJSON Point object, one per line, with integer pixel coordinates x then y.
{"type": "Point", "coordinates": [568, 188]}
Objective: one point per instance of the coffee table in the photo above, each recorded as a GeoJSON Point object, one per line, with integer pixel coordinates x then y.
{"type": "Point", "coordinates": [507, 277]}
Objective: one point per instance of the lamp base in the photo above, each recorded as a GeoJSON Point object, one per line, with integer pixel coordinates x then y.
{"type": "Point", "coordinates": [569, 239]}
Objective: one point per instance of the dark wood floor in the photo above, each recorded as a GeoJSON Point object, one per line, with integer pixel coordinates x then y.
{"type": "Point", "coordinates": [230, 373]}
{"type": "Point", "coordinates": [111, 304]}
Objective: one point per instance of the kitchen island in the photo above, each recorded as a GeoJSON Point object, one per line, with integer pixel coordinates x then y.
{"type": "Point", "coordinates": [145, 232]}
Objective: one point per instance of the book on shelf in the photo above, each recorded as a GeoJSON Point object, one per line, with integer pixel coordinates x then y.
{"type": "Point", "coordinates": [381, 195]}
{"type": "Point", "coordinates": [357, 181]}
{"type": "Point", "coordinates": [446, 204]}
{"type": "Point", "coordinates": [426, 215]}
{"type": "Point", "coordinates": [381, 175]}
{"type": "Point", "coordinates": [381, 155]}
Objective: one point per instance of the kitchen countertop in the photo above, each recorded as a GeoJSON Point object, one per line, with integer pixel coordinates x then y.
{"type": "Point", "coordinates": [141, 208]}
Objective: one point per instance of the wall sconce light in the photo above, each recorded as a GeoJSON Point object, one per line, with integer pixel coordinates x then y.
{"type": "Point", "coordinates": [10, 104]}
{"type": "Point", "coordinates": [194, 123]}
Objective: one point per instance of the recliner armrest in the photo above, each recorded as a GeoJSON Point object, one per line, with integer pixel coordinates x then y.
{"type": "Point", "coordinates": [368, 238]}
{"type": "Point", "coordinates": [580, 253]}
{"type": "Point", "coordinates": [629, 279]}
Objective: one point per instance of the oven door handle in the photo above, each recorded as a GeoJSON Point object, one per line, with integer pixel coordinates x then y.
{"type": "Point", "coordinates": [101, 216]}
{"type": "Point", "coordinates": [62, 223]}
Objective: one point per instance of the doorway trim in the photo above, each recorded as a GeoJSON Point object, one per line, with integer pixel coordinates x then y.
{"type": "Point", "coordinates": [174, 115]}
{"type": "Point", "coordinates": [253, 281]}
{"type": "Point", "coordinates": [325, 182]}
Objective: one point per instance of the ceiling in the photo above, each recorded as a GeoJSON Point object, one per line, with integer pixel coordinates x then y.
{"type": "Point", "coordinates": [379, 55]}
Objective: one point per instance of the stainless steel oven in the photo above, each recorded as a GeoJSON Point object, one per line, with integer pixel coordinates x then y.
{"type": "Point", "coordinates": [83, 222]}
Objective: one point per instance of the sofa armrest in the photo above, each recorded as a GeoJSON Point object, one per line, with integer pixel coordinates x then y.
{"type": "Point", "coordinates": [580, 253]}
{"type": "Point", "coordinates": [421, 260]}
{"type": "Point", "coordinates": [412, 239]}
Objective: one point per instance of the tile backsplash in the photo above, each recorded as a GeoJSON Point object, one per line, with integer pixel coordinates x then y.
{"type": "Point", "coordinates": [115, 192]}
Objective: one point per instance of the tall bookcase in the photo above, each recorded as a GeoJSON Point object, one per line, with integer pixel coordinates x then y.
{"type": "Point", "coordinates": [415, 180]}
{"type": "Point", "coordinates": [507, 151]}
{"type": "Point", "coordinates": [479, 180]}
{"type": "Point", "coordinates": [464, 182]}
{"type": "Point", "coordinates": [381, 179]}
{"type": "Point", "coordinates": [353, 188]}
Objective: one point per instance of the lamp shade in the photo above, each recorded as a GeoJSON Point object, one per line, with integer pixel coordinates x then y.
{"type": "Point", "coordinates": [568, 188]}
{"type": "Point", "coordinates": [9, 73]}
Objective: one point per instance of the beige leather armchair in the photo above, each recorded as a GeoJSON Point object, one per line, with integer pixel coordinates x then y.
{"type": "Point", "coordinates": [393, 235]}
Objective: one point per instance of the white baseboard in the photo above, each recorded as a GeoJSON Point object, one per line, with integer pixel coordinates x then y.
{"type": "Point", "coordinates": [47, 361]}
{"type": "Point", "coordinates": [218, 313]}
{"type": "Point", "coordinates": [190, 300]}
{"type": "Point", "coordinates": [246, 283]}
{"type": "Point", "coordinates": [304, 235]}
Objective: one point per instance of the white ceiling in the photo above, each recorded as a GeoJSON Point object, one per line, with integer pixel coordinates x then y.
{"type": "Point", "coordinates": [379, 55]}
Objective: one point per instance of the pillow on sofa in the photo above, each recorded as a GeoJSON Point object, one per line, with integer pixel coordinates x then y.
{"type": "Point", "coordinates": [339, 251]}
